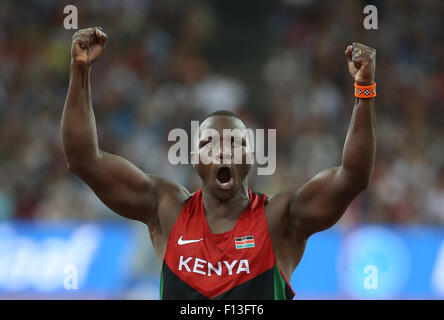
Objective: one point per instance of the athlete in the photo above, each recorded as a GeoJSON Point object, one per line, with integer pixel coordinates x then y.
{"type": "Point", "coordinates": [223, 241]}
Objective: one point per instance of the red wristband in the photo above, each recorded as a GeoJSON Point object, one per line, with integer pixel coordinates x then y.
{"type": "Point", "coordinates": [365, 91]}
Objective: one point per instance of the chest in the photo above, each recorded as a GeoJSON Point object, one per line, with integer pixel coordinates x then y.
{"type": "Point", "coordinates": [220, 248]}
{"type": "Point", "coordinates": [221, 225]}
{"type": "Point", "coordinates": [220, 239]}
{"type": "Point", "coordinates": [214, 263]}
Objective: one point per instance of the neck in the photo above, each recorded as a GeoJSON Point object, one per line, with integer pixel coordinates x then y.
{"type": "Point", "coordinates": [229, 209]}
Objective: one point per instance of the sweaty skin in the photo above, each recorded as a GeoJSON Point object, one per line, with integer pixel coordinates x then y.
{"type": "Point", "coordinates": [292, 215]}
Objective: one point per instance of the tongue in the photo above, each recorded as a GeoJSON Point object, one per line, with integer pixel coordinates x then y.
{"type": "Point", "coordinates": [224, 175]}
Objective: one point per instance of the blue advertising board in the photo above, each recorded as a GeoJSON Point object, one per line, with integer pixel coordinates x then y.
{"type": "Point", "coordinates": [372, 262]}
{"type": "Point", "coordinates": [78, 260]}
{"type": "Point", "coordinates": [63, 258]}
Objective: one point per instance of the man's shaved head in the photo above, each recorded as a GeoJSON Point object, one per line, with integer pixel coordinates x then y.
{"type": "Point", "coordinates": [223, 113]}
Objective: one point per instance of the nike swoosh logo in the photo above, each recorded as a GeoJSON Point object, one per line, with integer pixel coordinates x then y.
{"type": "Point", "coordinates": [181, 242]}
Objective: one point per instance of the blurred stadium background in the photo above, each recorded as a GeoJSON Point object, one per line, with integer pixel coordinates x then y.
{"type": "Point", "coordinates": [278, 64]}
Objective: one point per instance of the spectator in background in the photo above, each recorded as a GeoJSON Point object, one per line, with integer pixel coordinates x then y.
{"type": "Point", "coordinates": [173, 67]}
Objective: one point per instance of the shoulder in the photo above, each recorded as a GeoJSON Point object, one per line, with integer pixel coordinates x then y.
{"type": "Point", "coordinates": [169, 190]}
{"type": "Point", "coordinates": [171, 197]}
{"type": "Point", "coordinates": [277, 211]}
{"type": "Point", "coordinates": [276, 205]}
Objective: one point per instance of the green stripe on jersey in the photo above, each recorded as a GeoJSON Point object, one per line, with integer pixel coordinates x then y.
{"type": "Point", "coordinates": [279, 284]}
{"type": "Point", "coordinates": [161, 285]}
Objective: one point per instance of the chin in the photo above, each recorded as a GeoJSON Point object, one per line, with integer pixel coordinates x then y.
{"type": "Point", "coordinates": [224, 183]}
{"type": "Point", "coordinates": [223, 195]}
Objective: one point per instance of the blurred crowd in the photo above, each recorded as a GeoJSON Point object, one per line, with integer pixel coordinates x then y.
{"type": "Point", "coordinates": [278, 64]}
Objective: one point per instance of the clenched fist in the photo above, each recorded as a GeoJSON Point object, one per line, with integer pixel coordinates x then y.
{"type": "Point", "coordinates": [87, 46]}
{"type": "Point", "coordinates": [361, 63]}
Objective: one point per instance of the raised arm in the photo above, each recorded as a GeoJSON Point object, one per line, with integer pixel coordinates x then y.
{"type": "Point", "coordinates": [321, 202]}
{"type": "Point", "coordinates": [123, 187]}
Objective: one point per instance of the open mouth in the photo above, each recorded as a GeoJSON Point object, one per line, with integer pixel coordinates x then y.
{"type": "Point", "coordinates": [224, 174]}
{"type": "Point", "coordinates": [224, 178]}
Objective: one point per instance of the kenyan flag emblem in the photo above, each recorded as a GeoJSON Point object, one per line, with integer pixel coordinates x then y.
{"type": "Point", "coordinates": [244, 242]}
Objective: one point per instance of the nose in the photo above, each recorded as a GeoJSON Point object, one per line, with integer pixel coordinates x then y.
{"type": "Point", "coordinates": [225, 152]}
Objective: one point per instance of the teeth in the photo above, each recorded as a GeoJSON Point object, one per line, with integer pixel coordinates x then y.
{"type": "Point", "coordinates": [225, 185]}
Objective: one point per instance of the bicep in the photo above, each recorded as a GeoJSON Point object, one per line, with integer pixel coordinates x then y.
{"type": "Point", "coordinates": [321, 202]}
{"type": "Point", "coordinates": [121, 186]}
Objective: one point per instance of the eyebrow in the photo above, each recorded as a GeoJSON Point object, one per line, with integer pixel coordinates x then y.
{"type": "Point", "coordinates": [206, 138]}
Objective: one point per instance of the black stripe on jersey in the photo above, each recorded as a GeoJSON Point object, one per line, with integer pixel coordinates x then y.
{"type": "Point", "coordinates": [174, 288]}
{"type": "Point", "coordinates": [260, 287]}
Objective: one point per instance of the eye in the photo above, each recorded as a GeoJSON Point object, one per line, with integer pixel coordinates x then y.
{"type": "Point", "coordinates": [236, 142]}
{"type": "Point", "coordinates": [203, 143]}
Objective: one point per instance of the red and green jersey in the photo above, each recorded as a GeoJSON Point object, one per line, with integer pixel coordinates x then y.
{"type": "Point", "coordinates": [237, 264]}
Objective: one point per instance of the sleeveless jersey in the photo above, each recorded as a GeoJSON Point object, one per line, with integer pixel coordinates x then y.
{"type": "Point", "coordinates": [237, 264]}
